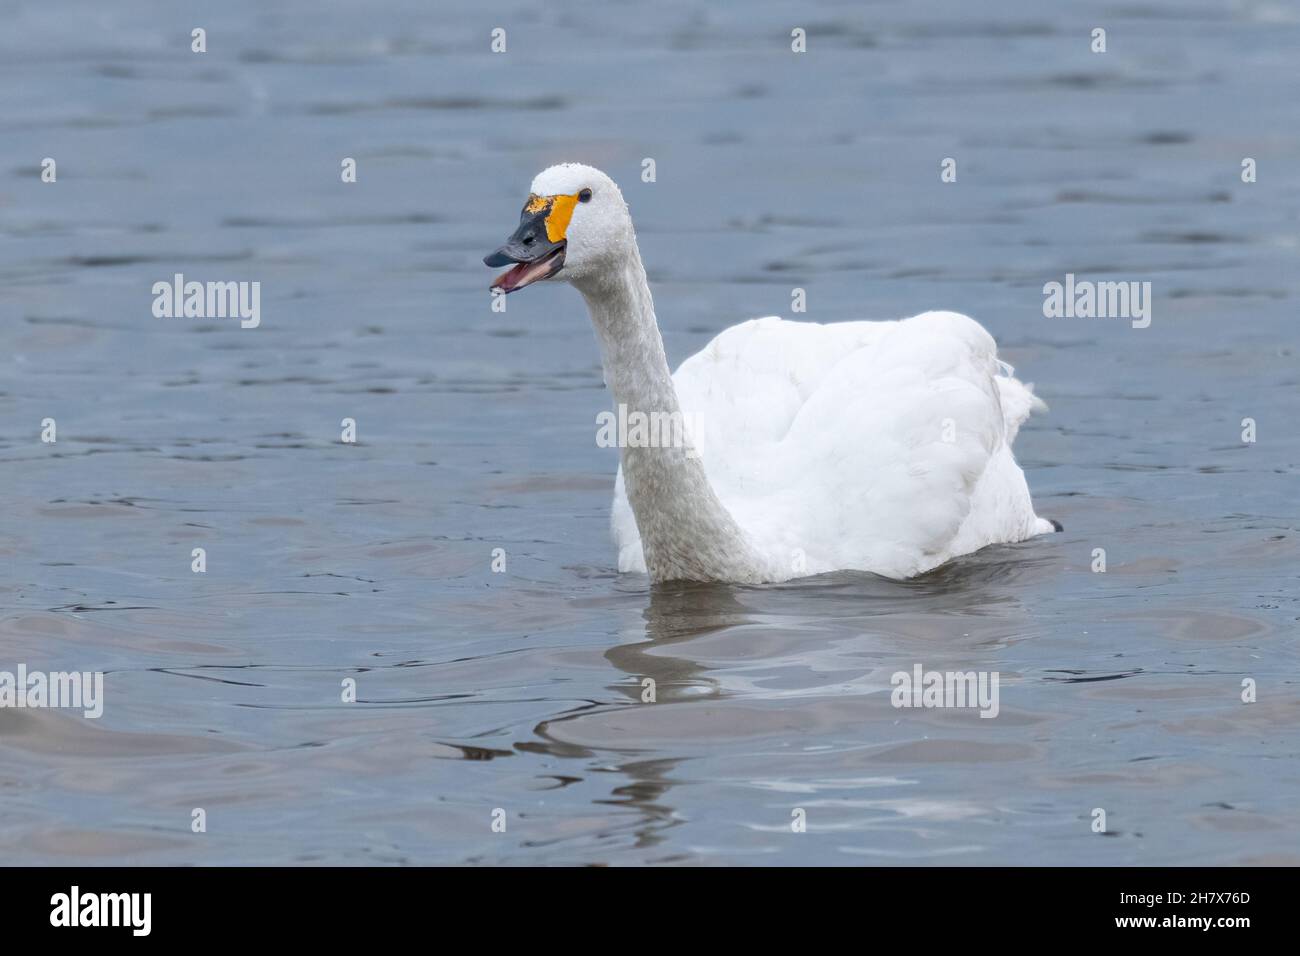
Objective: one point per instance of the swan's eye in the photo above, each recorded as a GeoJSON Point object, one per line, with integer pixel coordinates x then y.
{"type": "Point", "coordinates": [584, 196]}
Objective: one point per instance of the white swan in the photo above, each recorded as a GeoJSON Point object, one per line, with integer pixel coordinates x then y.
{"type": "Point", "coordinates": [872, 446]}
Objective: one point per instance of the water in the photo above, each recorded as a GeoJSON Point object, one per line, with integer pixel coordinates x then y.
{"type": "Point", "coordinates": [521, 691]}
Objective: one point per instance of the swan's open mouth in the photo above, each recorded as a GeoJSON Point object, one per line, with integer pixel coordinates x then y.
{"type": "Point", "coordinates": [537, 247]}
{"type": "Point", "coordinates": [526, 273]}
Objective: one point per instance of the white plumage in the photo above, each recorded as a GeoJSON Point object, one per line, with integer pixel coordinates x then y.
{"type": "Point", "coordinates": [878, 446]}
{"type": "Point", "coordinates": [873, 446]}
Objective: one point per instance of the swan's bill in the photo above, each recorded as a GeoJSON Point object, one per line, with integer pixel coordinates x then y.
{"type": "Point", "coordinates": [537, 246]}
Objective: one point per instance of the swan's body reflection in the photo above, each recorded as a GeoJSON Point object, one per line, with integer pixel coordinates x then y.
{"type": "Point", "coordinates": [719, 657]}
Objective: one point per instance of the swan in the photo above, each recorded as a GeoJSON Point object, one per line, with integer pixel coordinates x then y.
{"type": "Point", "coordinates": [868, 446]}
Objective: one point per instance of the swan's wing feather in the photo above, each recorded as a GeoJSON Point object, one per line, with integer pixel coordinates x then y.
{"type": "Point", "coordinates": [745, 387]}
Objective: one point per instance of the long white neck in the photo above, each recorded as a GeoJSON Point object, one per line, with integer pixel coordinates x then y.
{"type": "Point", "coordinates": [686, 532]}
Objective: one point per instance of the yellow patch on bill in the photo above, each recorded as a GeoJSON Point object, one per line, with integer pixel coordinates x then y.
{"type": "Point", "coordinates": [557, 221]}
{"type": "Point", "coordinates": [558, 209]}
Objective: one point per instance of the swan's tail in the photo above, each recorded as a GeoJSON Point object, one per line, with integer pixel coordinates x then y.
{"type": "Point", "coordinates": [1018, 400]}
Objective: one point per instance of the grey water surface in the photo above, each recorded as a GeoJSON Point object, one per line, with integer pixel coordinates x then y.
{"type": "Point", "coordinates": [521, 691]}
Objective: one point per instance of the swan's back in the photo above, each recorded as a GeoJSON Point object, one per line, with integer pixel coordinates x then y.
{"type": "Point", "coordinates": [877, 446]}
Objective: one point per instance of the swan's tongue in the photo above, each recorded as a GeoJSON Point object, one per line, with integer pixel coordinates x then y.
{"type": "Point", "coordinates": [526, 273]}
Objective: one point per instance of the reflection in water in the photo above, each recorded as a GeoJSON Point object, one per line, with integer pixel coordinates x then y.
{"type": "Point", "coordinates": [644, 793]}
{"type": "Point", "coordinates": [675, 615]}
{"type": "Point", "coordinates": [789, 622]}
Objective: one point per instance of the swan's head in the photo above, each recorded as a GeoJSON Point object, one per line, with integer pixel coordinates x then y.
{"type": "Point", "coordinates": [574, 225]}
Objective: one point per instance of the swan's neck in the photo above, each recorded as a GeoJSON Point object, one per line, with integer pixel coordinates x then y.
{"type": "Point", "coordinates": [686, 532]}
